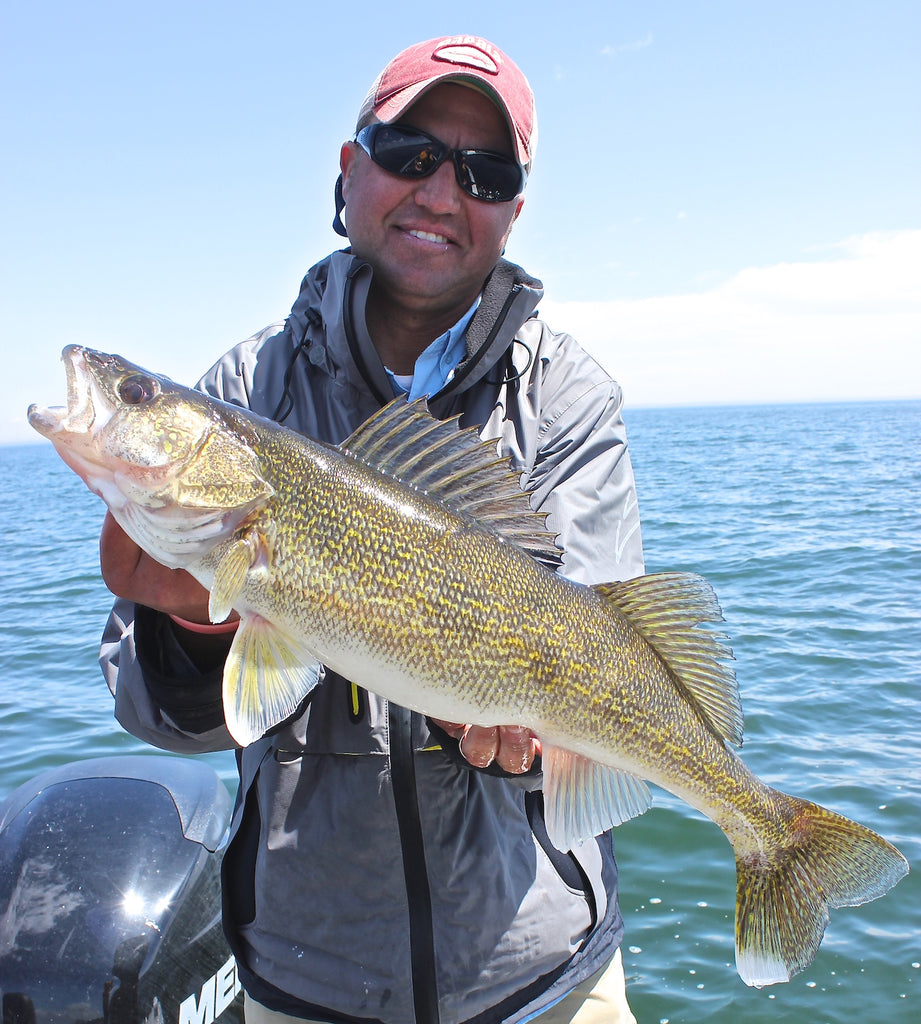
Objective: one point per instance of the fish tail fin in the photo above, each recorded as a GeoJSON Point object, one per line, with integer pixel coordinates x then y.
{"type": "Point", "coordinates": [785, 888]}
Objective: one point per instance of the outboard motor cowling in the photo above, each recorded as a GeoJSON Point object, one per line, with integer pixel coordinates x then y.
{"type": "Point", "coordinates": [110, 895]}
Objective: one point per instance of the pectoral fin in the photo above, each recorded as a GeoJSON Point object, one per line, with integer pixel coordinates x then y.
{"type": "Point", "coordinates": [251, 548]}
{"type": "Point", "coordinates": [266, 677]}
{"type": "Point", "coordinates": [583, 798]}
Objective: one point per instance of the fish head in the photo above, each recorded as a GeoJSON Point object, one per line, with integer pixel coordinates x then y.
{"type": "Point", "coordinates": [120, 417]}
{"type": "Point", "coordinates": [176, 469]}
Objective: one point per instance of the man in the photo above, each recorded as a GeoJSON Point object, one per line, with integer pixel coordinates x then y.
{"type": "Point", "coordinates": [384, 867]}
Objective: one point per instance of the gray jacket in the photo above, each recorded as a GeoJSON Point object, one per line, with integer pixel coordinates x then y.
{"type": "Point", "coordinates": [372, 875]}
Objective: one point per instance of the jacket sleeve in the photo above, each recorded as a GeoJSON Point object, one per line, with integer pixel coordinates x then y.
{"type": "Point", "coordinates": [160, 696]}
{"type": "Point", "coordinates": [582, 474]}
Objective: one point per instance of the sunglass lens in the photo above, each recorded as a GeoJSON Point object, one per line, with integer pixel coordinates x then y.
{"type": "Point", "coordinates": [490, 177]}
{"type": "Point", "coordinates": [410, 154]}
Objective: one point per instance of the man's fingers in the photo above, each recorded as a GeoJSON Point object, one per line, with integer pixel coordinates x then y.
{"type": "Point", "coordinates": [131, 573]}
{"type": "Point", "coordinates": [516, 749]}
{"type": "Point", "coordinates": [454, 729]}
{"type": "Point", "coordinates": [480, 744]}
{"type": "Point", "coordinates": [512, 747]}
{"type": "Point", "coordinates": [118, 555]}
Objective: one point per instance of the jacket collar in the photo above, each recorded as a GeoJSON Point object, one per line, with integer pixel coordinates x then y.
{"type": "Point", "coordinates": [328, 321]}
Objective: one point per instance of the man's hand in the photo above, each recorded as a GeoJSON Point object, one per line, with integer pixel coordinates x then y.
{"type": "Point", "coordinates": [512, 747]}
{"type": "Point", "coordinates": [131, 573]}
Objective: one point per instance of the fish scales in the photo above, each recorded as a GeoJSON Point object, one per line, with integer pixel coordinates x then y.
{"type": "Point", "coordinates": [418, 596]}
{"type": "Point", "coordinates": [408, 560]}
{"type": "Point", "coordinates": [407, 579]}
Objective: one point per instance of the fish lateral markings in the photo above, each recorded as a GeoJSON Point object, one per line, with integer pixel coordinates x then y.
{"type": "Point", "coordinates": [409, 560]}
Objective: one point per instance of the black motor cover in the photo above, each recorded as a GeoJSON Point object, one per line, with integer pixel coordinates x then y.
{"type": "Point", "coordinates": [110, 895]}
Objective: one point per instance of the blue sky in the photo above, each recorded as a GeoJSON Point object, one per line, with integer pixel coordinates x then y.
{"type": "Point", "coordinates": [725, 204]}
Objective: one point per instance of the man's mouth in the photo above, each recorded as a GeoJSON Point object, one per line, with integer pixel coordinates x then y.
{"type": "Point", "coordinates": [429, 236]}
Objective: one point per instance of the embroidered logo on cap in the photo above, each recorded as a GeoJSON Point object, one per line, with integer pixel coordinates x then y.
{"type": "Point", "coordinates": [469, 51]}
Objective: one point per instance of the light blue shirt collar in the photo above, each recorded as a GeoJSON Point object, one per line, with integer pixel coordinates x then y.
{"type": "Point", "coordinates": [436, 365]}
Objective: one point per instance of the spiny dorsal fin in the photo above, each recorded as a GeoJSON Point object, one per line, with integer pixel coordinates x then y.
{"type": "Point", "coordinates": [453, 466]}
{"type": "Point", "coordinates": [667, 608]}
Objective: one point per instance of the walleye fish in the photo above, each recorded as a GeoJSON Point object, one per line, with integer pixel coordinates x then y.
{"type": "Point", "coordinates": [409, 560]}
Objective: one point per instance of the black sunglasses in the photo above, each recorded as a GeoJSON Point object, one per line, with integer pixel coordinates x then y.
{"type": "Point", "coordinates": [412, 153]}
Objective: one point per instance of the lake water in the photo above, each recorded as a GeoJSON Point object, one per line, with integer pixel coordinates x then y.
{"type": "Point", "coordinates": [806, 519]}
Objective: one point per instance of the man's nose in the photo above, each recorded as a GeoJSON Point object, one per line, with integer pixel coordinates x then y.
{"type": "Point", "coordinates": [439, 192]}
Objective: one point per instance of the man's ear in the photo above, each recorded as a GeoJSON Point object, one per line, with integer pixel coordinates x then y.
{"type": "Point", "coordinates": [346, 165]}
{"type": "Point", "coordinates": [347, 156]}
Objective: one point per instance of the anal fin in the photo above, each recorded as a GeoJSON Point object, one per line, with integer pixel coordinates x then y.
{"type": "Point", "coordinates": [583, 798]}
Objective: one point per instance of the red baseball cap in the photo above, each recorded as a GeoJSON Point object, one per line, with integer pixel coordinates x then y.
{"type": "Point", "coordinates": [467, 59]}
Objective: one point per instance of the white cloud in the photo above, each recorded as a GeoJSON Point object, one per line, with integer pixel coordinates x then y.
{"type": "Point", "coordinates": [636, 44]}
{"type": "Point", "coordinates": [845, 325]}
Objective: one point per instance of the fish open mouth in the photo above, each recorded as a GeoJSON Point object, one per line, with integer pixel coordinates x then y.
{"type": "Point", "coordinates": [78, 416]}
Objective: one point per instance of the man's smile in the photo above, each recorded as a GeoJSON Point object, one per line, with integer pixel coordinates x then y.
{"type": "Point", "coordinates": [428, 236]}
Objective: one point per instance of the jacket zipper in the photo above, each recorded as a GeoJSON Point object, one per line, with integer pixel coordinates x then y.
{"type": "Point", "coordinates": [415, 872]}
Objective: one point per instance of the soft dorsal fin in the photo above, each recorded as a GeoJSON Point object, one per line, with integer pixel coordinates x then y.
{"type": "Point", "coordinates": [454, 466]}
{"type": "Point", "coordinates": [668, 608]}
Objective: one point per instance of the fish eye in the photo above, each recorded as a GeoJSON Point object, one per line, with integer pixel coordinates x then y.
{"type": "Point", "coordinates": [137, 389]}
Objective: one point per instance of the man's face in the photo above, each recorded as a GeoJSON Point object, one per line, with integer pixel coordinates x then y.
{"type": "Point", "coordinates": [430, 243]}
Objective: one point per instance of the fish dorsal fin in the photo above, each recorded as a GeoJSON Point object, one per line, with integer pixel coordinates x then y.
{"type": "Point", "coordinates": [454, 466]}
{"type": "Point", "coordinates": [668, 608]}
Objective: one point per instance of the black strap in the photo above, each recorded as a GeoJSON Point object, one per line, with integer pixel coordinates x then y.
{"type": "Point", "coordinates": [350, 337]}
{"type": "Point", "coordinates": [339, 200]}
{"type": "Point", "coordinates": [419, 897]}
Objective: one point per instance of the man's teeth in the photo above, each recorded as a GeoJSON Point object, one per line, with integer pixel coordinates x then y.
{"type": "Point", "coordinates": [429, 236]}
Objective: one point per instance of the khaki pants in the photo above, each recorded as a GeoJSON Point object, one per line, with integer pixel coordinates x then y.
{"type": "Point", "coordinates": [602, 999]}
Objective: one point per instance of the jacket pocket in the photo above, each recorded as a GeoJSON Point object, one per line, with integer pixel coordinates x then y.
{"type": "Point", "coordinates": [570, 870]}
{"type": "Point", "coordinates": [238, 868]}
